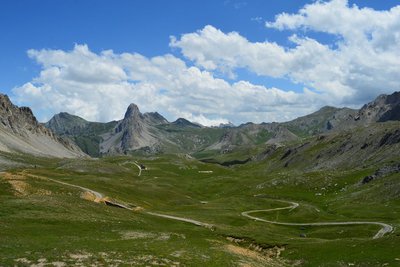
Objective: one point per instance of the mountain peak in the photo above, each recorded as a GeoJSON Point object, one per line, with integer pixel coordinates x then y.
{"type": "Point", "coordinates": [327, 109]}
{"type": "Point", "coordinates": [4, 99]}
{"type": "Point", "coordinates": [5, 103]}
{"type": "Point", "coordinates": [132, 111]}
{"type": "Point", "coordinates": [65, 123]}
{"type": "Point", "coordinates": [185, 123]}
{"type": "Point", "coordinates": [66, 116]}
{"type": "Point", "coordinates": [393, 99]}
{"type": "Point", "coordinates": [383, 108]}
{"type": "Point", "coordinates": [15, 117]}
{"type": "Point", "coordinates": [23, 133]}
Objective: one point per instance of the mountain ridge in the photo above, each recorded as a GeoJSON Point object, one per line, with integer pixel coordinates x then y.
{"type": "Point", "coordinates": [152, 133]}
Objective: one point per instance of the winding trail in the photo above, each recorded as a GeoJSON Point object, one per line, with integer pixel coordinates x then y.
{"type": "Point", "coordinates": [135, 163]}
{"type": "Point", "coordinates": [99, 197]}
{"type": "Point", "coordinates": [385, 228]}
{"type": "Point", "coordinates": [102, 198]}
{"type": "Point", "coordinates": [182, 219]}
{"type": "Point", "coordinates": [140, 168]}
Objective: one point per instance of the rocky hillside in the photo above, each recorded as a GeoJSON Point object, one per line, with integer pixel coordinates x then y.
{"type": "Point", "coordinates": [147, 133]}
{"type": "Point", "coordinates": [21, 132]}
{"type": "Point", "coordinates": [383, 108]}
{"type": "Point", "coordinates": [376, 144]}
{"type": "Point", "coordinates": [150, 133]}
{"type": "Point", "coordinates": [87, 135]}
{"type": "Point", "coordinates": [323, 120]}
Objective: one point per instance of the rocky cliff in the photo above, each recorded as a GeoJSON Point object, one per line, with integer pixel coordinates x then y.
{"type": "Point", "coordinates": [21, 132]}
{"type": "Point", "coordinates": [383, 108]}
{"type": "Point", "coordinates": [133, 132]}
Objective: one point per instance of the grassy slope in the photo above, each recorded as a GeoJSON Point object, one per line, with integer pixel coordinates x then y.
{"type": "Point", "coordinates": [59, 225]}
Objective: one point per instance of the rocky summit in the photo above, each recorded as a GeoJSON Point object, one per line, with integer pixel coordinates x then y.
{"type": "Point", "coordinates": [21, 132]}
{"type": "Point", "coordinates": [383, 108]}
{"type": "Point", "coordinates": [131, 133]}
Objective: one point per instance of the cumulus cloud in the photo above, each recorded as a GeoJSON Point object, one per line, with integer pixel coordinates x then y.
{"type": "Point", "coordinates": [100, 86]}
{"type": "Point", "coordinates": [337, 17]}
{"type": "Point", "coordinates": [361, 63]}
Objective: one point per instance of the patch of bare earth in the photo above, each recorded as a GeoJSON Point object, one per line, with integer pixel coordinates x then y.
{"type": "Point", "coordinates": [112, 258]}
{"type": "Point", "coordinates": [126, 235]}
{"type": "Point", "coordinates": [21, 187]}
{"type": "Point", "coordinates": [253, 258]}
{"type": "Point", "coordinates": [42, 262]}
{"type": "Point", "coordinates": [89, 196]}
{"type": "Point", "coordinates": [252, 254]}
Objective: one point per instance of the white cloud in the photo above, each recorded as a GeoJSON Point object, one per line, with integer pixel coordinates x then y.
{"type": "Point", "coordinates": [362, 63]}
{"type": "Point", "coordinates": [100, 86]}
{"type": "Point", "coordinates": [80, 65]}
{"type": "Point", "coordinates": [214, 50]}
{"type": "Point", "coordinates": [337, 17]}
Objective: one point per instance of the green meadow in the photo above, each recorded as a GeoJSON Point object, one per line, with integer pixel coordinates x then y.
{"type": "Point", "coordinates": [48, 223]}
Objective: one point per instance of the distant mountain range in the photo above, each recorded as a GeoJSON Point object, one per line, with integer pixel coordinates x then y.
{"type": "Point", "coordinates": [66, 135]}
{"type": "Point", "coordinates": [151, 133]}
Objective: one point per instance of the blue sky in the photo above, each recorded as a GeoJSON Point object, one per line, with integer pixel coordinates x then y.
{"type": "Point", "coordinates": [124, 26]}
{"type": "Point", "coordinates": [145, 27]}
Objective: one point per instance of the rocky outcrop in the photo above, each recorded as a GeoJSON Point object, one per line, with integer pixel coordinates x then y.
{"type": "Point", "coordinates": [133, 132]}
{"type": "Point", "coordinates": [384, 171]}
{"type": "Point", "coordinates": [383, 108]}
{"type": "Point", "coordinates": [390, 138]}
{"type": "Point", "coordinates": [20, 121]}
{"type": "Point", "coordinates": [21, 132]}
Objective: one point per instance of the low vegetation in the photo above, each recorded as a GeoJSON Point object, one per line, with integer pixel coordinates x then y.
{"type": "Point", "coordinates": [43, 222]}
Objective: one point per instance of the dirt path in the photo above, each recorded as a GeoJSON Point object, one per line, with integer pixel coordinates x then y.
{"type": "Point", "coordinates": [140, 168]}
{"type": "Point", "coordinates": [385, 228]}
{"type": "Point", "coordinates": [97, 194]}
{"type": "Point", "coordinates": [198, 223]}
{"type": "Point", "coordinates": [99, 197]}
{"type": "Point", "coordinates": [135, 163]}
{"type": "Point", "coordinates": [102, 198]}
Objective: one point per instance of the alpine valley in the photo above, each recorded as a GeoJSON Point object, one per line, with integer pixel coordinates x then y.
{"type": "Point", "coordinates": [143, 191]}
